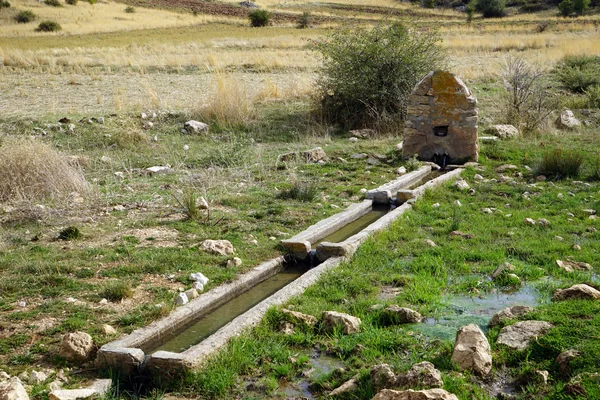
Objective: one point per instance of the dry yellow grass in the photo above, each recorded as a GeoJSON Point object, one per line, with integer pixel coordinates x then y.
{"type": "Point", "coordinates": [85, 18]}
{"type": "Point", "coordinates": [34, 171]}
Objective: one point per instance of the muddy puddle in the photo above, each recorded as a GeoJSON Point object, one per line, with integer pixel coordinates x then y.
{"type": "Point", "coordinates": [318, 367]}
{"type": "Point", "coordinates": [463, 310]}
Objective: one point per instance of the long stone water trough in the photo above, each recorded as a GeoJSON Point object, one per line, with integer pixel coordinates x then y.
{"type": "Point", "coordinates": [141, 350]}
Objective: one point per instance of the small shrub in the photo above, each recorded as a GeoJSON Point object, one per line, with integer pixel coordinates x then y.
{"type": "Point", "coordinates": [116, 291]}
{"type": "Point", "coordinates": [25, 16]}
{"type": "Point", "coordinates": [4, 4]}
{"type": "Point", "coordinates": [71, 2]}
{"type": "Point", "coordinates": [580, 6]}
{"type": "Point", "coordinates": [559, 164]}
{"type": "Point", "coordinates": [188, 201]}
{"type": "Point", "coordinates": [49, 26]}
{"type": "Point", "coordinates": [578, 73]}
{"type": "Point", "coordinates": [491, 8]}
{"type": "Point", "coordinates": [53, 3]}
{"type": "Point", "coordinates": [428, 3]}
{"type": "Point", "coordinates": [92, 2]}
{"type": "Point", "coordinates": [129, 9]}
{"type": "Point", "coordinates": [593, 96]}
{"type": "Point", "coordinates": [470, 10]}
{"type": "Point", "coordinates": [302, 191]}
{"type": "Point", "coordinates": [304, 20]}
{"type": "Point", "coordinates": [527, 102]}
{"type": "Point", "coordinates": [259, 18]}
{"type": "Point", "coordinates": [69, 233]}
{"type": "Point", "coordinates": [368, 74]}
{"type": "Point", "coordinates": [34, 171]}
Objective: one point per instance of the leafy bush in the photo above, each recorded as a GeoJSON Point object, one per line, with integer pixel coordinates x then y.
{"type": "Point", "coordinates": [566, 8]}
{"type": "Point", "coordinates": [580, 6]}
{"type": "Point", "coordinates": [593, 96]}
{"type": "Point", "coordinates": [578, 73]}
{"type": "Point", "coordinates": [259, 18]}
{"type": "Point", "coordinates": [559, 164]}
{"type": "Point", "coordinates": [4, 4]}
{"type": "Point", "coordinates": [49, 26]}
{"type": "Point", "coordinates": [53, 3]}
{"type": "Point", "coordinates": [491, 8]}
{"type": "Point", "coordinates": [367, 75]}
{"type": "Point", "coordinates": [428, 3]}
{"type": "Point", "coordinates": [129, 9]}
{"type": "Point", "coordinates": [25, 16]}
{"type": "Point", "coordinates": [304, 20]}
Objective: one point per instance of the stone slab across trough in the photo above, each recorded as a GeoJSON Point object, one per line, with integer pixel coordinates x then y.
{"type": "Point", "coordinates": [349, 246]}
{"type": "Point", "coordinates": [301, 244]}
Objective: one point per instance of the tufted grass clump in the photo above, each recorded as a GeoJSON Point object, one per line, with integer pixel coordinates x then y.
{"type": "Point", "coordinates": [303, 191]}
{"type": "Point", "coordinates": [560, 164]}
{"type": "Point", "coordinates": [130, 10]}
{"type": "Point", "coordinates": [48, 26]}
{"type": "Point", "coordinates": [33, 171]}
{"type": "Point", "coordinates": [116, 291]}
{"type": "Point", "coordinates": [25, 16]}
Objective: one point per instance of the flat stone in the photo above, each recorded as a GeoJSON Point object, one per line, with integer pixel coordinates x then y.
{"type": "Point", "coordinates": [423, 375]}
{"type": "Point", "coordinates": [99, 388]}
{"type": "Point", "coordinates": [518, 335]}
{"type": "Point", "coordinates": [402, 315]}
{"type": "Point", "coordinates": [222, 247]}
{"type": "Point", "coordinates": [382, 376]}
{"type": "Point", "coordinates": [347, 387]}
{"type": "Point", "coordinates": [76, 346]}
{"type": "Point", "coordinates": [299, 317]}
{"type": "Point", "coordinates": [506, 167]}
{"type": "Point", "coordinates": [503, 131]}
{"type": "Point", "coordinates": [195, 127]}
{"type": "Point", "coordinates": [509, 313]}
{"type": "Point", "coordinates": [580, 291]}
{"type": "Point", "coordinates": [159, 169]}
{"type": "Point", "coordinates": [13, 390]}
{"type": "Point", "coordinates": [571, 266]}
{"type": "Point", "coordinates": [567, 120]}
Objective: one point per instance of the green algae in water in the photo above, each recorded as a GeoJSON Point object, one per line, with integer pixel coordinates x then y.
{"type": "Point", "coordinates": [464, 310]}
{"type": "Point", "coordinates": [221, 316]}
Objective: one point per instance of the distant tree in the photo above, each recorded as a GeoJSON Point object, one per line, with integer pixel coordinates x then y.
{"type": "Point", "coordinates": [581, 5]}
{"type": "Point", "coordinates": [566, 8]}
{"type": "Point", "coordinates": [491, 8]}
{"type": "Point", "coordinates": [429, 3]}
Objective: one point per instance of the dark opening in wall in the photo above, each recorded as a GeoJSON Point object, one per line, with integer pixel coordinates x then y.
{"type": "Point", "coordinates": [440, 130]}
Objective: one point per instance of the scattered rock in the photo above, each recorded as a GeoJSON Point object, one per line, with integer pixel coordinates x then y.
{"type": "Point", "coordinates": [430, 243]}
{"type": "Point", "coordinates": [4, 376]}
{"type": "Point", "coordinates": [462, 234]}
{"type": "Point", "coordinates": [314, 155]}
{"type": "Point", "coordinates": [76, 346]}
{"type": "Point", "coordinates": [401, 315]}
{"type": "Point", "coordinates": [477, 177]}
{"type": "Point", "coordinates": [503, 131]}
{"type": "Point", "coordinates": [461, 184]}
{"type": "Point", "coordinates": [518, 335]}
{"type": "Point", "coordinates": [222, 247]}
{"type": "Point", "coordinates": [373, 161]}
{"type": "Point", "coordinates": [37, 377]}
{"type": "Point", "coordinates": [195, 127]}
{"type": "Point", "coordinates": [333, 319]}
{"type": "Point", "coordinates": [564, 359]}
{"type": "Point", "coordinates": [287, 328]}
{"type": "Point", "coordinates": [423, 374]}
{"type": "Point", "coordinates": [509, 313]}
{"type": "Point", "coordinates": [13, 390]}
{"type": "Point", "coordinates": [248, 4]}
{"type": "Point", "coordinates": [382, 377]}
{"type": "Point", "coordinates": [567, 120]}
{"type": "Point", "coordinates": [181, 299]}
{"type": "Point", "coordinates": [353, 139]}
{"type": "Point", "coordinates": [571, 266]}
{"type": "Point", "coordinates": [541, 377]}
{"type": "Point", "coordinates": [401, 171]}
{"type": "Point", "coordinates": [504, 267]}
{"type": "Point", "coordinates": [108, 330]}
{"type": "Point", "coordinates": [363, 133]}
{"type": "Point", "coordinates": [543, 222]}
{"type": "Point", "coordinates": [429, 394]}
{"type": "Point", "coordinates": [148, 125]}
{"type": "Point", "coordinates": [191, 293]}
{"type": "Point", "coordinates": [529, 221]}
{"type": "Point", "coordinates": [299, 317]}
{"type": "Point", "coordinates": [580, 291]}
{"type": "Point", "coordinates": [199, 277]}
{"type": "Point", "coordinates": [506, 167]}
{"type": "Point", "coordinates": [99, 388]}
{"type": "Point", "coordinates": [347, 387]}
{"type": "Point", "coordinates": [234, 262]}
{"type": "Point", "coordinates": [576, 247]}
{"type": "Point", "coordinates": [159, 169]}
{"type": "Point", "coordinates": [472, 350]}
